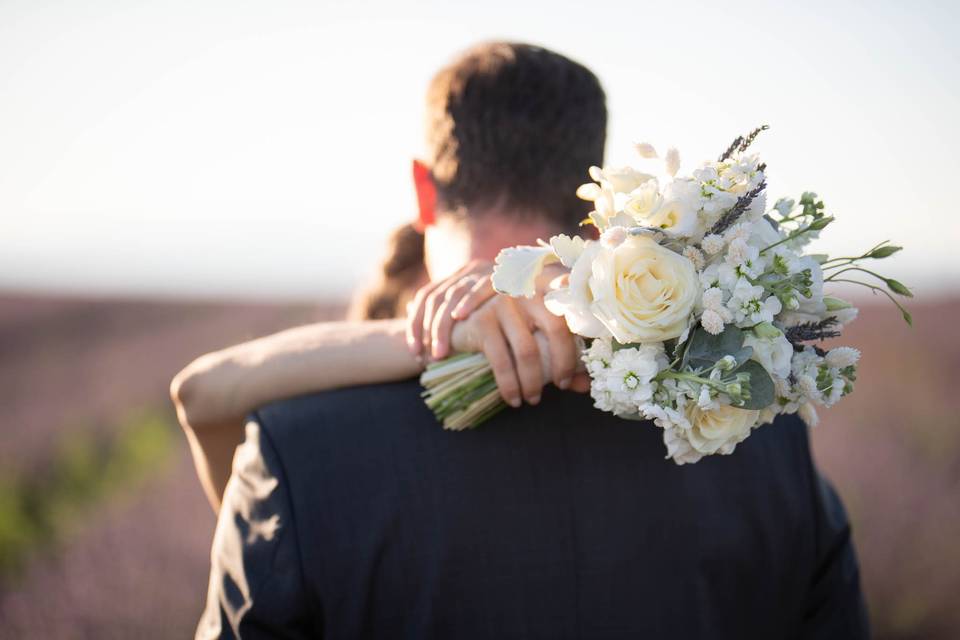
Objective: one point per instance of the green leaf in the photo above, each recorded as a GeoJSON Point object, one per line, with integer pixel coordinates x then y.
{"type": "Point", "coordinates": [898, 288]}
{"type": "Point", "coordinates": [616, 346]}
{"type": "Point", "coordinates": [705, 348]}
{"type": "Point", "coordinates": [883, 252]}
{"type": "Point", "coordinates": [761, 385]}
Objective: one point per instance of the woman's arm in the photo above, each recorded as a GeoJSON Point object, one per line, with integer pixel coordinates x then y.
{"type": "Point", "coordinates": [215, 392]}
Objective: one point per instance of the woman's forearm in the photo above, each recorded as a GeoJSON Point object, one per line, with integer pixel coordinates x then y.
{"type": "Point", "coordinates": [215, 392]}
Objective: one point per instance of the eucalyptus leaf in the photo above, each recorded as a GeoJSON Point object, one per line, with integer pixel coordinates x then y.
{"type": "Point", "coordinates": [761, 385]}
{"type": "Point", "coordinates": [705, 348]}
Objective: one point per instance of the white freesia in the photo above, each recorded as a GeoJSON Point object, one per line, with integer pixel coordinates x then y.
{"type": "Point", "coordinates": [516, 269]}
{"type": "Point", "coordinates": [575, 301]}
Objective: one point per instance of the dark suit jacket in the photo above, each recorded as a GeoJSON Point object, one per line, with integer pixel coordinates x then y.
{"type": "Point", "coordinates": [353, 514]}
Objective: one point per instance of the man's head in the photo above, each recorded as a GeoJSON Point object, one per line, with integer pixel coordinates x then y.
{"type": "Point", "coordinates": [511, 131]}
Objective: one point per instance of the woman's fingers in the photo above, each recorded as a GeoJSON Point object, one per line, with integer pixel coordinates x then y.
{"type": "Point", "coordinates": [479, 293]}
{"type": "Point", "coordinates": [442, 321]}
{"type": "Point", "coordinates": [562, 344]}
{"type": "Point", "coordinates": [523, 346]}
{"type": "Point", "coordinates": [497, 351]}
{"type": "Point", "coordinates": [415, 314]}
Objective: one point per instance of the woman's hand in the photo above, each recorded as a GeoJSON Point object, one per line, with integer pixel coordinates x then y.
{"type": "Point", "coordinates": [438, 305]}
{"type": "Point", "coordinates": [503, 328]}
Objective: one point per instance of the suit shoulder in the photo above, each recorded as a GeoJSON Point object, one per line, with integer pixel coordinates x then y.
{"type": "Point", "coordinates": [309, 417]}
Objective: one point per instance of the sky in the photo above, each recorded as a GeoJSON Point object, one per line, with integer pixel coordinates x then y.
{"type": "Point", "coordinates": [261, 150]}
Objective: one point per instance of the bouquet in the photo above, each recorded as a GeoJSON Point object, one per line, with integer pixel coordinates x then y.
{"type": "Point", "coordinates": [699, 308]}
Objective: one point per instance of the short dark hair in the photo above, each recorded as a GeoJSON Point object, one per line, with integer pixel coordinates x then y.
{"type": "Point", "coordinates": [515, 127]}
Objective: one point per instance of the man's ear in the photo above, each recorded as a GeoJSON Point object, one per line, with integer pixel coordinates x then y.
{"type": "Point", "coordinates": [426, 195]}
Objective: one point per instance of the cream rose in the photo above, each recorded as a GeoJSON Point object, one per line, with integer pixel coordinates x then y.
{"type": "Point", "coordinates": [640, 291]}
{"type": "Point", "coordinates": [718, 430]}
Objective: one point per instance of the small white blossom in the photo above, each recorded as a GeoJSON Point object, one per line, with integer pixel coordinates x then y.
{"type": "Point", "coordinates": [808, 386]}
{"type": "Point", "coordinates": [712, 322]}
{"type": "Point", "coordinates": [712, 244]}
{"type": "Point", "coordinates": [749, 306]}
{"type": "Point", "coordinates": [695, 256]}
{"type": "Point", "coordinates": [841, 357]}
{"type": "Point", "coordinates": [712, 299]}
{"type": "Point", "coordinates": [809, 414]}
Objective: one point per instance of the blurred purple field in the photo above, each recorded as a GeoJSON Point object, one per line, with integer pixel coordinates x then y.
{"type": "Point", "coordinates": [131, 560]}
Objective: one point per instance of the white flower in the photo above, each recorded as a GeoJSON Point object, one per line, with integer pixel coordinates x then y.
{"type": "Point", "coordinates": [678, 448]}
{"type": "Point", "coordinates": [712, 322]}
{"type": "Point", "coordinates": [757, 207]}
{"type": "Point", "coordinates": [640, 291]}
{"type": "Point", "coordinates": [517, 268]}
{"type": "Point", "coordinates": [695, 256]}
{"type": "Point", "coordinates": [575, 301]}
{"type": "Point", "coordinates": [749, 306]}
{"type": "Point", "coordinates": [643, 201]}
{"type": "Point", "coordinates": [845, 316]}
{"type": "Point", "coordinates": [770, 348]}
{"type": "Point", "coordinates": [675, 213]}
{"type": "Point", "coordinates": [706, 400]}
{"type": "Point", "coordinates": [598, 356]}
{"type": "Point", "coordinates": [712, 244]}
{"type": "Point", "coordinates": [712, 299]}
{"type": "Point", "coordinates": [841, 357]}
{"type": "Point", "coordinates": [809, 414]}
{"type": "Point", "coordinates": [719, 430]}
{"type": "Point", "coordinates": [622, 179]}
{"type": "Point", "coordinates": [808, 386]}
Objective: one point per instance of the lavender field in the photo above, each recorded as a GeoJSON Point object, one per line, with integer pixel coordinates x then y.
{"type": "Point", "coordinates": [104, 532]}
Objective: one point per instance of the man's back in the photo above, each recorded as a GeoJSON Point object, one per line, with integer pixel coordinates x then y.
{"type": "Point", "coordinates": [353, 514]}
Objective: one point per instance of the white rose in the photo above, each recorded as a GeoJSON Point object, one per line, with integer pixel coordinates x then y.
{"type": "Point", "coordinates": [719, 430]}
{"type": "Point", "coordinates": [640, 291]}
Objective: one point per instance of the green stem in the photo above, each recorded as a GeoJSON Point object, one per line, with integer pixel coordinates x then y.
{"type": "Point", "coordinates": [880, 289]}
{"type": "Point", "coordinates": [855, 268]}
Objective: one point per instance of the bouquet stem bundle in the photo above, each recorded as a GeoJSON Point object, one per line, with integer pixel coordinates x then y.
{"type": "Point", "coordinates": [461, 391]}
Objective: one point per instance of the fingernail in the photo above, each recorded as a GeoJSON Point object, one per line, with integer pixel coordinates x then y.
{"type": "Point", "coordinates": [534, 400]}
{"type": "Point", "coordinates": [565, 383]}
{"type": "Point", "coordinates": [514, 402]}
